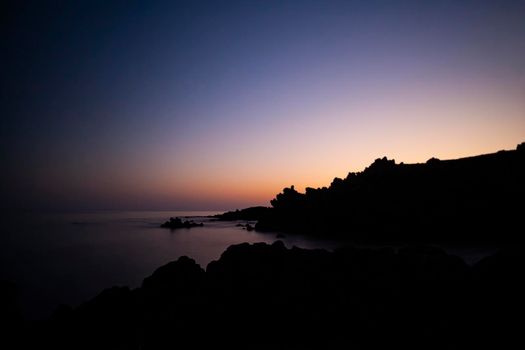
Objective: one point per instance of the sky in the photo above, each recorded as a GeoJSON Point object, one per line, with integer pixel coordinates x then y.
{"type": "Point", "coordinates": [217, 105]}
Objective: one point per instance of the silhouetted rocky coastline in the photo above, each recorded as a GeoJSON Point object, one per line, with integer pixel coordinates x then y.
{"type": "Point", "coordinates": [268, 296]}
{"type": "Point", "coordinates": [474, 199]}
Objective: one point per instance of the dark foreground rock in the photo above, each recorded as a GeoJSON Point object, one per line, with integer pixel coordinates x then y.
{"type": "Point", "coordinates": [174, 223]}
{"type": "Point", "coordinates": [267, 296]}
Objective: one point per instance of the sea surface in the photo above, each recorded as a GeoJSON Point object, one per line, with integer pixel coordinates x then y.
{"type": "Point", "coordinates": [68, 258]}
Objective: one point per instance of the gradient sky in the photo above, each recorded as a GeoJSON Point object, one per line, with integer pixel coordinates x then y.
{"type": "Point", "coordinates": [220, 104]}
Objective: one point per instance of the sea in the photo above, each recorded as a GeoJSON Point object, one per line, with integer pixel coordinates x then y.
{"type": "Point", "coordinates": [70, 257]}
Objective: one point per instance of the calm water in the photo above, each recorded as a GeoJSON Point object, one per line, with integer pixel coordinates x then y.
{"type": "Point", "coordinates": [69, 258]}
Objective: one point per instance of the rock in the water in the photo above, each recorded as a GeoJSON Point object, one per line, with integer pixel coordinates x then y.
{"type": "Point", "coordinates": [174, 223]}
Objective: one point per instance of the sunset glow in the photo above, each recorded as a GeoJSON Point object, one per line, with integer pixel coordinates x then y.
{"type": "Point", "coordinates": [199, 109]}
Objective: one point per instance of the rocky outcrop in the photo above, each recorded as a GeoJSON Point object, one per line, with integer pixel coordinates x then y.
{"type": "Point", "coordinates": [268, 296]}
{"type": "Point", "coordinates": [175, 223]}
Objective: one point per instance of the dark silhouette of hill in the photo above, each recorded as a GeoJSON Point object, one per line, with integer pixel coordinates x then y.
{"type": "Point", "coordinates": [477, 198]}
{"type": "Point", "coordinates": [267, 296]}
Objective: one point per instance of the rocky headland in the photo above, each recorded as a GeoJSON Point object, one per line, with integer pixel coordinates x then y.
{"type": "Point", "coordinates": [475, 199]}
